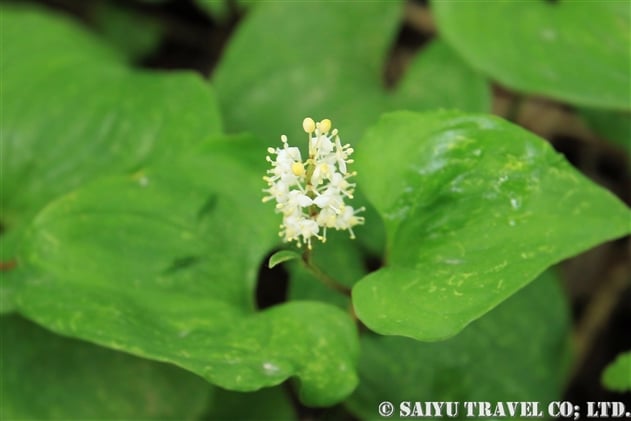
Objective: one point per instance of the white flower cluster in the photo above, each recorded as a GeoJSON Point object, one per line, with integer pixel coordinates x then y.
{"type": "Point", "coordinates": [310, 194]}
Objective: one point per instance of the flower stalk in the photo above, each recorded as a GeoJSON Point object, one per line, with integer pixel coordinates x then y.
{"type": "Point", "coordinates": [323, 277]}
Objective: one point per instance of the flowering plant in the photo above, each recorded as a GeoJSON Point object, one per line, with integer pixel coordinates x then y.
{"type": "Point", "coordinates": [140, 272]}
{"type": "Point", "coordinates": [311, 194]}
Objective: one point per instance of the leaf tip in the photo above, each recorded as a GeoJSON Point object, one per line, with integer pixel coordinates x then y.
{"type": "Point", "coordinates": [280, 257]}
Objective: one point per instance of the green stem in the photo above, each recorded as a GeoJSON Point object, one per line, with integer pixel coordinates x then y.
{"type": "Point", "coordinates": [323, 277]}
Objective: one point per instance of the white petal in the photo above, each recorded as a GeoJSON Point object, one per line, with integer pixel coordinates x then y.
{"type": "Point", "coordinates": [304, 200]}
{"type": "Point", "coordinates": [322, 201]}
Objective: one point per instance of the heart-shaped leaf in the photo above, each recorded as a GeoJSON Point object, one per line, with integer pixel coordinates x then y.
{"type": "Point", "coordinates": [488, 361]}
{"type": "Point", "coordinates": [74, 110]}
{"type": "Point", "coordinates": [162, 264]}
{"type": "Point", "coordinates": [475, 208]}
{"type": "Point", "coordinates": [45, 376]}
{"type": "Point", "coordinates": [576, 51]}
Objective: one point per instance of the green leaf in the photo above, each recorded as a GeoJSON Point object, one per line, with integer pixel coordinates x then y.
{"type": "Point", "coordinates": [216, 8]}
{"type": "Point", "coordinates": [222, 9]}
{"type": "Point", "coordinates": [613, 126]}
{"type": "Point", "coordinates": [45, 376]}
{"type": "Point", "coordinates": [517, 352]}
{"type": "Point", "coordinates": [74, 110]}
{"type": "Point", "coordinates": [438, 78]}
{"type": "Point", "coordinates": [304, 69]}
{"type": "Point", "coordinates": [617, 375]}
{"type": "Point", "coordinates": [6, 300]}
{"type": "Point", "coordinates": [163, 264]}
{"type": "Point", "coordinates": [134, 33]}
{"type": "Point", "coordinates": [341, 259]}
{"type": "Point", "coordinates": [475, 208]}
{"type": "Point", "coordinates": [265, 405]}
{"type": "Point", "coordinates": [579, 52]}
{"type": "Point", "coordinates": [9, 280]}
{"type": "Point", "coordinates": [282, 256]}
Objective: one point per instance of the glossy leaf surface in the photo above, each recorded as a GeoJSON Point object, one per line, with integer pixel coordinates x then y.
{"type": "Point", "coordinates": [73, 110]}
{"type": "Point", "coordinates": [187, 239]}
{"type": "Point", "coordinates": [488, 361]}
{"type": "Point", "coordinates": [575, 51]}
{"type": "Point", "coordinates": [475, 208]}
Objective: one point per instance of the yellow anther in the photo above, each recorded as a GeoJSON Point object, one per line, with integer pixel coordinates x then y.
{"type": "Point", "coordinates": [308, 125]}
{"type": "Point", "coordinates": [325, 125]}
{"type": "Point", "coordinates": [298, 169]}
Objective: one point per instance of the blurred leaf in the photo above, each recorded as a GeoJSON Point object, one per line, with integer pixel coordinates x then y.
{"type": "Point", "coordinates": [163, 264]}
{"type": "Point", "coordinates": [339, 258]}
{"type": "Point", "coordinates": [475, 208]}
{"type": "Point", "coordinates": [329, 62]}
{"type": "Point", "coordinates": [438, 78]}
{"type": "Point", "coordinates": [73, 110]}
{"type": "Point", "coordinates": [282, 256]}
{"type": "Point", "coordinates": [131, 32]}
{"type": "Point", "coordinates": [45, 376]}
{"type": "Point", "coordinates": [613, 126]}
{"type": "Point", "coordinates": [218, 9]}
{"type": "Point", "coordinates": [265, 405]}
{"type": "Point", "coordinates": [6, 293]}
{"type": "Point", "coordinates": [221, 9]}
{"type": "Point", "coordinates": [574, 51]}
{"type": "Point", "coordinates": [9, 279]}
{"type": "Point", "coordinates": [617, 375]}
{"type": "Point", "coordinates": [517, 352]}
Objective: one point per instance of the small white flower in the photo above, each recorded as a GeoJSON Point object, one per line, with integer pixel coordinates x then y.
{"type": "Point", "coordinates": [295, 201]}
{"type": "Point", "coordinates": [322, 172]}
{"type": "Point", "coordinates": [331, 198]}
{"type": "Point", "coordinates": [348, 218]}
{"type": "Point", "coordinates": [341, 154]}
{"type": "Point", "coordinates": [310, 194]}
{"type": "Point", "coordinates": [327, 218]}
